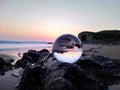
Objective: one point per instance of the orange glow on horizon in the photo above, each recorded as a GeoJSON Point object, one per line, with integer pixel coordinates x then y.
{"type": "Point", "coordinates": [46, 31]}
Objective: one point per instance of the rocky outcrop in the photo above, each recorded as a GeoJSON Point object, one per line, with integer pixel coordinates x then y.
{"type": "Point", "coordinates": [102, 37]}
{"type": "Point", "coordinates": [104, 70]}
{"type": "Point", "coordinates": [43, 72]}
{"type": "Point", "coordinates": [5, 65]}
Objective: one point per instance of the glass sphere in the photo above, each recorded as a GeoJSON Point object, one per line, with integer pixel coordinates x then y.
{"type": "Point", "coordinates": [67, 48]}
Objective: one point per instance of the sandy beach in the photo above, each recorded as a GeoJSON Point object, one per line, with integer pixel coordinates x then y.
{"type": "Point", "coordinates": [111, 51]}
{"type": "Point", "coordinates": [8, 81]}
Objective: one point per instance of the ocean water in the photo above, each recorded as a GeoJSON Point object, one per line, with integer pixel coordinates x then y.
{"type": "Point", "coordinates": [13, 48]}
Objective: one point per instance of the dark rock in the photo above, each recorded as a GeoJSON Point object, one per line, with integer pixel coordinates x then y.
{"type": "Point", "coordinates": [89, 64]}
{"type": "Point", "coordinates": [31, 78]}
{"type": "Point", "coordinates": [2, 66]}
{"type": "Point", "coordinates": [84, 54]}
{"type": "Point", "coordinates": [60, 84]}
{"type": "Point", "coordinates": [103, 69]}
{"type": "Point", "coordinates": [49, 74]}
{"type": "Point", "coordinates": [81, 80]}
{"type": "Point", "coordinates": [98, 61]}
{"type": "Point", "coordinates": [21, 63]}
{"type": "Point", "coordinates": [1, 63]}
{"type": "Point", "coordinates": [103, 61]}
{"type": "Point", "coordinates": [5, 65]}
{"type": "Point", "coordinates": [32, 56]}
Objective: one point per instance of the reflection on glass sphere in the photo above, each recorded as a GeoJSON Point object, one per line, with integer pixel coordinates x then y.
{"type": "Point", "coordinates": [67, 48]}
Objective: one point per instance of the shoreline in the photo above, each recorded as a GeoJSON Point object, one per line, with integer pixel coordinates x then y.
{"type": "Point", "coordinates": [97, 50]}
{"type": "Point", "coordinates": [111, 51]}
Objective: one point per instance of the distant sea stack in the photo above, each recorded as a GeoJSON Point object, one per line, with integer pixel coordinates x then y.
{"type": "Point", "coordinates": [104, 36]}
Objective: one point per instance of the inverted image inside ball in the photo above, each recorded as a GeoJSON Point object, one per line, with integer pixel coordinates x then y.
{"type": "Point", "coordinates": [67, 48]}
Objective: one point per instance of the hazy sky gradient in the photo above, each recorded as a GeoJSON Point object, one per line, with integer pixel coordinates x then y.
{"type": "Point", "coordinates": [45, 20]}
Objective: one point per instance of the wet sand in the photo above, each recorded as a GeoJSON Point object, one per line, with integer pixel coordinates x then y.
{"type": "Point", "coordinates": [8, 81]}
{"type": "Point", "coordinates": [111, 51]}
{"type": "Point", "coordinates": [6, 56]}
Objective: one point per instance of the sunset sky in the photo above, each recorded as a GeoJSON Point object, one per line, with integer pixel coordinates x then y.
{"type": "Point", "coordinates": [45, 20]}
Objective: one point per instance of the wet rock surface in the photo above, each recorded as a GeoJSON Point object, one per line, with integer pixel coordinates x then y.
{"type": "Point", "coordinates": [43, 72]}
{"type": "Point", "coordinates": [103, 69]}
{"type": "Point", "coordinates": [5, 65]}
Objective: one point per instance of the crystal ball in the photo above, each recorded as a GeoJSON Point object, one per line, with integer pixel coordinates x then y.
{"type": "Point", "coordinates": [67, 48]}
